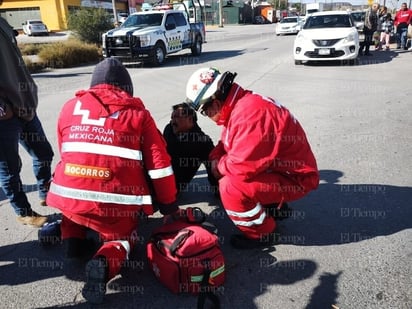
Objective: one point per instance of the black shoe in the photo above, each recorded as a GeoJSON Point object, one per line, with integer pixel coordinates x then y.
{"type": "Point", "coordinates": [80, 249]}
{"type": "Point", "coordinates": [77, 252]}
{"type": "Point", "coordinates": [50, 234]}
{"type": "Point", "coordinates": [239, 241]}
{"type": "Point", "coordinates": [279, 214]}
{"type": "Point", "coordinates": [96, 279]}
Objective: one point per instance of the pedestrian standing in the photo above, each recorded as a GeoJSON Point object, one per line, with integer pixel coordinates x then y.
{"type": "Point", "coordinates": [403, 18]}
{"type": "Point", "coordinates": [369, 28]}
{"type": "Point", "coordinates": [19, 124]}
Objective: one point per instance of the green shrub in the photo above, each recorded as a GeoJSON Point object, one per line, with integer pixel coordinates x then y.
{"type": "Point", "coordinates": [88, 24]}
{"type": "Point", "coordinates": [30, 49]}
{"type": "Point", "coordinates": [33, 67]}
{"type": "Point", "coordinates": [68, 53]}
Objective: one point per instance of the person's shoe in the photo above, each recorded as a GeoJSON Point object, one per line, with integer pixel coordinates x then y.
{"type": "Point", "coordinates": [79, 249]}
{"type": "Point", "coordinates": [43, 202]}
{"type": "Point", "coordinates": [96, 278]}
{"type": "Point", "coordinates": [277, 213]}
{"type": "Point", "coordinates": [239, 241]}
{"type": "Point", "coordinates": [33, 219]}
{"type": "Point", "coordinates": [50, 233]}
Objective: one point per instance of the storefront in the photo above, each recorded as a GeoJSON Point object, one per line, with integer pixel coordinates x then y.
{"type": "Point", "coordinates": [54, 13]}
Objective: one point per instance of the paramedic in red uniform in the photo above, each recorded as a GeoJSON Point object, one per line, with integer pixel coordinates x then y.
{"type": "Point", "coordinates": [263, 158]}
{"type": "Point", "coordinates": [110, 147]}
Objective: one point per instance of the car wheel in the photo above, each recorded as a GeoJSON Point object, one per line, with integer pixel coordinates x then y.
{"type": "Point", "coordinates": [159, 54]}
{"type": "Point", "coordinates": [197, 47]}
{"type": "Point", "coordinates": [298, 62]}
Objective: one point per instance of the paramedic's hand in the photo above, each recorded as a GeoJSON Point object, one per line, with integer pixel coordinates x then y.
{"type": "Point", "coordinates": [176, 216]}
{"type": "Point", "coordinates": [214, 169]}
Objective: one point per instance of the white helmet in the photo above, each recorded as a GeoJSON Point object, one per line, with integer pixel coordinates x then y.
{"type": "Point", "coordinates": [206, 83]}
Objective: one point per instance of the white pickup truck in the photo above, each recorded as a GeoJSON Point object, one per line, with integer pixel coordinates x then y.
{"type": "Point", "coordinates": [152, 35]}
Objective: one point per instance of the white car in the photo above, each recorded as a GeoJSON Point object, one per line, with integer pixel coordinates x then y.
{"type": "Point", "coordinates": [35, 27]}
{"type": "Point", "coordinates": [289, 25]}
{"type": "Point", "coordinates": [329, 35]}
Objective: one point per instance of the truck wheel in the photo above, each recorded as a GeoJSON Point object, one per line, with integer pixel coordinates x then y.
{"type": "Point", "coordinates": [197, 47]}
{"type": "Point", "coordinates": [159, 54]}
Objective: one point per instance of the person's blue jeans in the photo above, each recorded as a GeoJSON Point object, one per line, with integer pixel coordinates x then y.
{"type": "Point", "coordinates": [401, 37]}
{"type": "Point", "coordinates": [31, 136]}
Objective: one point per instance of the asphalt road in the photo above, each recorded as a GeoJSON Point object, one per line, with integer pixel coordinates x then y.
{"type": "Point", "coordinates": [349, 242]}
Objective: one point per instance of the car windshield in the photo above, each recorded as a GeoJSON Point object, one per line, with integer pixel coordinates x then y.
{"type": "Point", "coordinates": [328, 21]}
{"type": "Point", "coordinates": [35, 22]}
{"type": "Point", "coordinates": [289, 20]}
{"type": "Point", "coordinates": [143, 20]}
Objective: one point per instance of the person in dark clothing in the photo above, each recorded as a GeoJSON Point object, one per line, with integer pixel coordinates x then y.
{"type": "Point", "coordinates": [188, 146]}
{"type": "Point", "coordinates": [19, 124]}
{"type": "Point", "coordinates": [371, 24]}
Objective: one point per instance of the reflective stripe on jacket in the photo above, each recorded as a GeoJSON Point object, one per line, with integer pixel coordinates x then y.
{"type": "Point", "coordinates": [112, 155]}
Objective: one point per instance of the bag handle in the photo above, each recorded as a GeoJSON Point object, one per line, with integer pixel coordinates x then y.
{"type": "Point", "coordinates": [184, 234]}
{"type": "Point", "coordinates": [206, 289]}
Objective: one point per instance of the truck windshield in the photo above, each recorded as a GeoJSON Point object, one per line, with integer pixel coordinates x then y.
{"type": "Point", "coordinates": [143, 20]}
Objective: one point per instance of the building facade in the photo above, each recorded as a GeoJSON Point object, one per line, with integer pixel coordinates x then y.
{"type": "Point", "coordinates": [54, 13]}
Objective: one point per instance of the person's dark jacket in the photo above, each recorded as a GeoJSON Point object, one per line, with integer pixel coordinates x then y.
{"type": "Point", "coordinates": [18, 91]}
{"type": "Point", "coordinates": [188, 151]}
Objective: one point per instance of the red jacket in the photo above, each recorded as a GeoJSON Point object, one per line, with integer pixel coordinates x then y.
{"type": "Point", "coordinates": [261, 136]}
{"type": "Point", "coordinates": [110, 148]}
{"type": "Point", "coordinates": [403, 17]}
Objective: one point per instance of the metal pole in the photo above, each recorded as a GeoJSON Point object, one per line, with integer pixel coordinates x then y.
{"type": "Point", "coordinates": [116, 18]}
{"type": "Point", "coordinates": [221, 13]}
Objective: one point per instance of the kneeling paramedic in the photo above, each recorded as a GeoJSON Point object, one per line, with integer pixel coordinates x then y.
{"type": "Point", "coordinates": [263, 159]}
{"type": "Point", "coordinates": [112, 157]}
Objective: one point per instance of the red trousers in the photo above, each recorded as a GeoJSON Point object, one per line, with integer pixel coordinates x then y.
{"type": "Point", "coordinates": [244, 201]}
{"type": "Point", "coordinates": [119, 235]}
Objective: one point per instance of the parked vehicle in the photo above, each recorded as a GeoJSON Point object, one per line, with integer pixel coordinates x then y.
{"type": "Point", "coordinates": [150, 36]}
{"type": "Point", "coordinates": [259, 19]}
{"type": "Point", "coordinates": [289, 25]}
{"type": "Point", "coordinates": [314, 7]}
{"type": "Point", "coordinates": [35, 27]}
{"type": "Point", "coordinates": [330, 35]}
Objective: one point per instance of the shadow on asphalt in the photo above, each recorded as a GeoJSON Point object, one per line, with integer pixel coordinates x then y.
{"type": "Point", "coordinates": [333, 214]}
{"type": "Point", "coordinates": [45, 75]}
{"type": "Point", "coordinates": [377, 57]}
{"type": "Point", "coordinates": [248, 274]}
{"type": "Point", "coordinates": [346, 213]}
{"type": "Point", "coordinates": [325, 294]}
{"type": "Point", "coordinates": [187, 59]}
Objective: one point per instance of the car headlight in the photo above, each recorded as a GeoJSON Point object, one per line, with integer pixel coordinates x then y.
{"type": "Point", "coordinates": [145, 40]}
{"type": "Point", "coordinates": [301, 37]}
{"type": "Point", "coordinates": [349, 38]}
